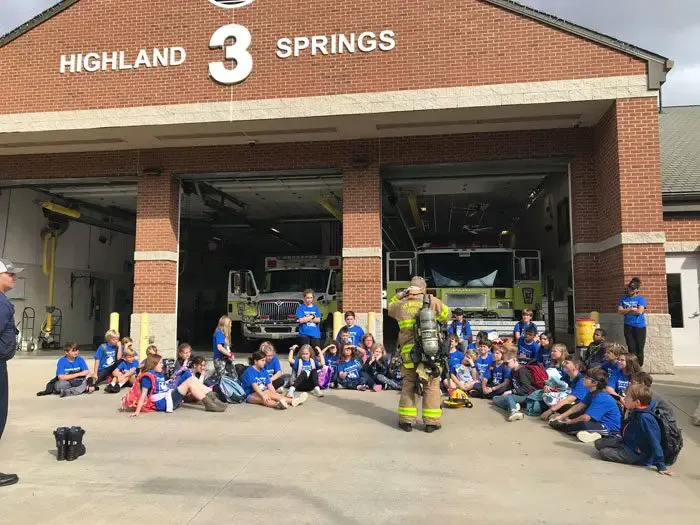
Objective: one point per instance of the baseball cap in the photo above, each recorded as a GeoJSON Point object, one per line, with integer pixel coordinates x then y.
{"type": "Point", "coordinates": [457, 311]}
{"type": "Point", "coordinates": [7, 267]}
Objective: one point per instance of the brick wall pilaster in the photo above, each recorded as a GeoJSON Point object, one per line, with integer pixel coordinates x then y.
{"type": "Point", "coordinates": [362, 239]}
{"type": "Point", "coordinates": [156, 258]}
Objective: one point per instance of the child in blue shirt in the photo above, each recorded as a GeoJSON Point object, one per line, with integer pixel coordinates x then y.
{"type": "Point", "coordinates": [356, 332]}
{"type": "Point", "coordinates": [633, 305]}
{"type": "Point", "coordinates": [273, 367]}
{"type": "Point", "coordinates": [461, 328]}
{"type": "Point", "coordinates": [627, 365]}
{"type": "Point", "coordinates": [125, 373]}
{"type": "Point", "coordinates": [575, 392]}
{"type": "Point", "coordinates": [305, 370]}
{"type": "Point", "coordinates": [455, 359]}
{"type": "Point", "coordinates": [154, 386]}
{"type": "Point", "coordinates": [72, 373]}
{"type": "Point", "coordinates": [222, 353]}
{"type": "Point", "coordinates": [107, 357]}
{"type": "Point", "coordinates": [524, 324]}
{"type": "Point", "coordinates": [309, 318]}
{"type": "Point", "coordinates": [350, 374]}
{"type": "Point", "coordinates": [528, 349]}
{"type": "Point", "coordinates": [484, 360]}
{"type": "Point", "coordinates": [496, 378]}
{"type": "Point", "coordinates": [259, 389]}
{"type": "Point", "coordinates": [545, 353]}
{"type": "Point", "coordinates": [600, 417]}
{"type": "Point", "coordinates": [641, 441]}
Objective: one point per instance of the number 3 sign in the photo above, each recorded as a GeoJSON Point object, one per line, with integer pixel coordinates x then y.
{"type": "Point", "coordinates": [236, 52]}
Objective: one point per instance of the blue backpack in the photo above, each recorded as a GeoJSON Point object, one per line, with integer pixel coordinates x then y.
{"type": "Point", "coordinates": [230, 390]}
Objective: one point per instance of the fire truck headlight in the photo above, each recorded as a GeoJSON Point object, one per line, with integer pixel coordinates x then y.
{"type": "Point", "coordinates": [504, 305]}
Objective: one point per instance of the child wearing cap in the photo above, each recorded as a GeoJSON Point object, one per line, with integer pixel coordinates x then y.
{"type": "Point", "coordinates": [461, 328]}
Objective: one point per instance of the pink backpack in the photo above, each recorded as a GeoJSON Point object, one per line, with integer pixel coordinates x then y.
{"type": "Point", "coordinates": [324, 377]}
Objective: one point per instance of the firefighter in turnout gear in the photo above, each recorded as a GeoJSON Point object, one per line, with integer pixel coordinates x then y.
{"type": "Point", "coordinates": [404, 307]}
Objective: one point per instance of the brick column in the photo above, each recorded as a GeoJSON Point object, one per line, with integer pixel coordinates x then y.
{"type": "Point", "coordinates": [626, 238]}
{"type": "Point", "coordinates": [156, 260]}
{"type": "Point", "coordinates": [362, 244]}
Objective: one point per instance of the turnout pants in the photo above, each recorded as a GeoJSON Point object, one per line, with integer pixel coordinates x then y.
{"type": "Point", "coordinates": [408, 411]}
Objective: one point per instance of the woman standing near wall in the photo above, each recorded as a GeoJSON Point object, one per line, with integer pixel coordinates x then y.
{"type": "Point", "coordinates": [632, 305]}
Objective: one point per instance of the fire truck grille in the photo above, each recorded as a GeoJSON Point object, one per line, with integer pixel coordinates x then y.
{"type": "Point", "coordinates": [278, 310]}
{"type": "Point", "coordinates": [467, 300]}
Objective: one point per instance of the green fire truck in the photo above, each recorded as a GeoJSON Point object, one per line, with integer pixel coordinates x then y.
{"type": "Point", "coordinates": [492, 285]}
{"type": "Point", "coordinates": [270, 313]}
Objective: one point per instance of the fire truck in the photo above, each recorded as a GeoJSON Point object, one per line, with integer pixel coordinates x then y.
{"type": "Point", "coordinates": [270, 312]}
{"type": "Point", "coordinates": [492, 285]}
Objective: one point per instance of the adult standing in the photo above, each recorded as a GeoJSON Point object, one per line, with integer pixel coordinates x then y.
{"type": "Point", "coordinates": [404, 307]}
{"type": "Point", "coordinates": [632, 305]}
{"type": "Point", "coordinates": [8, 342]}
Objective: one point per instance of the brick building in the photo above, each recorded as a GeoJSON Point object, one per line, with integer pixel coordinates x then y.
{"type": "Point", "coordinates": [142, 97]}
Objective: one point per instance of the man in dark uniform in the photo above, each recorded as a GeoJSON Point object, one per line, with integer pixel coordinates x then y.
{"type": "Point", "coordinates": [8, 342]}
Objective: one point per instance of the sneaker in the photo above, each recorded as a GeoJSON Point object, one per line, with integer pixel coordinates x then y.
{"type": "Point", "coordinates": [588, 437]}
{"type": "Point", "coordinates": [517, 407]}
{"type": "Point", "coordinates": [290, 392]}
{"type": "Point", "coordinates": [300, 399]}
{"type": "Point", "coordinates": [515, 416]}
{"type": "Point", "coordinates": [377, 388]}
{"type": "Point", "coordinates": [317, 392]}
{"type": "Point", "coordinates": [282, 404]}
{"type": "Point", "coordinates": [362, 388]}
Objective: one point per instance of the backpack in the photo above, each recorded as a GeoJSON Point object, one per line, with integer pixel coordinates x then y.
{"type": "Point", "coordinates": [324, 377]}
{"type": "Point", "coordinates": [671, 437]}
{"type": "Point", "coordinates": [131, 398]}
{"type": "Point", "coordinates": [230, 390]}
{"type": "Point", "coordinates": [539, 375]}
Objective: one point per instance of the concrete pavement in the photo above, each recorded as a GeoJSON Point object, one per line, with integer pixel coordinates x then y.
{"type": "Point", "coordinates": [337, 460]}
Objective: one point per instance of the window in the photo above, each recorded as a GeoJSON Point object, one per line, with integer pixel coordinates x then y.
{"type": "Point", "coordinates": [675, 303]}
{"type": "Point", "coordinates": [478, 270]}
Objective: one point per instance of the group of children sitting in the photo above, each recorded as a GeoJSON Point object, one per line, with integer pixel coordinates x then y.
{"type": "Point", "coordinates": [603, 398]}
{"type": "Point", "coordinates": [608, 400]}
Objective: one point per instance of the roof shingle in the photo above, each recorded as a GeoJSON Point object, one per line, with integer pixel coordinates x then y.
{"type": "Point", "coordinates": [679, 129]}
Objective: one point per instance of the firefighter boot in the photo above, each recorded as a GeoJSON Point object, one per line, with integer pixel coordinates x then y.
{"type": "Point", "coordinates": [75, 447]}
{"type": "Point", "coordinates": [61, 435]}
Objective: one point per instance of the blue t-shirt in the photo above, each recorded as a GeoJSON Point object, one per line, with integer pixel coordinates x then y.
{"type": "Point", "coordinates": [309, 329]}
{"type": "Point", "coordinates": [161, 386]}
{"type": "Point", "coordinates": [273, 366]}
{"type": "Point", "coordinates": [306, 365]}
{"type": "Point", "coordinates": [545, 357]}
{"type": "Point", "coordinates": [124, 367]}
{"type": "Point", "coordinates": [106, 354]}
{"type": "Point", "coordinates": [356, 334]}
{"type": "Point", "coordinates": [463, 330]}
{"type": "Point", "coordinates": [352, 368]}
{"type": "Point", "coordinates": [528, 351]}
{"type": "Point", "coordinates": [482, 365]}
{"type": "Point", "coordinates": [638, 320]}
{"type": "Point", "coordinates": [219, 339]}
{"type": "Point", "coordinates": [496, 374]}
{"type": "Point", "coordinates": [620, 383]}
{"type": "Point", "coordinates": [66, 367]}
{"type": "Point", "coordinates": [252, 376]}
{"type": "Point", "coordinates": [578, 390]}
{"type": "Point", "coordinates": [464, 373]}
{"type": "Point", "coordinates": [332, 361]}
{"type": "Point", "coordinates": [456, 359]}
{"type": "Point", "coordinates": [520, 327]}
{"type": "Point", "coordinates": [603, 409]}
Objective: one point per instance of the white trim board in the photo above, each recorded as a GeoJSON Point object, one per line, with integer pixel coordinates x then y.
{"type": "Point", "coordinates": [587, 89]}
{"type": "Point", "coordinates": [618, 240]}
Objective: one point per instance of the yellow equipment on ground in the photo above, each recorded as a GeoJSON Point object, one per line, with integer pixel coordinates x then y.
{"type": "Point", "coordinates": [458, 399]}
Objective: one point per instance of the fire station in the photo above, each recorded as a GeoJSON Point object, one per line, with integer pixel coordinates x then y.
{"type": "Point", "coordinates": [170, 160]}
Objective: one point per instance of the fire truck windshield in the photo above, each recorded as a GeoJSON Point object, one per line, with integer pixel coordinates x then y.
{"type": "Point", "coordinates": [479, 270]}
{"type": "Point", "coordinates": [297, 280]}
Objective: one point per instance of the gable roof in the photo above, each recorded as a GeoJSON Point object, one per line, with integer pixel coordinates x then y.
{"type": "Point", "coordinates": [679, 131]}
{"type": "Point", "coordinates": [658, 65]}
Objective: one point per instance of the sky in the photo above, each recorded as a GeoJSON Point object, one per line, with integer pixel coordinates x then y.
{"type": "Point", "coordinates": [670, 28]}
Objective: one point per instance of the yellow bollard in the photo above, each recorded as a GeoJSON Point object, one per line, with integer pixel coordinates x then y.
{"type": "Point", "coordinates": [372, 322]}
{"type": "Point", "coordinates": [114, 321]}
{"type": "Point", "coordinates": [143, 336]}
{"type": "Point", "coordinates": [337, 323]}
